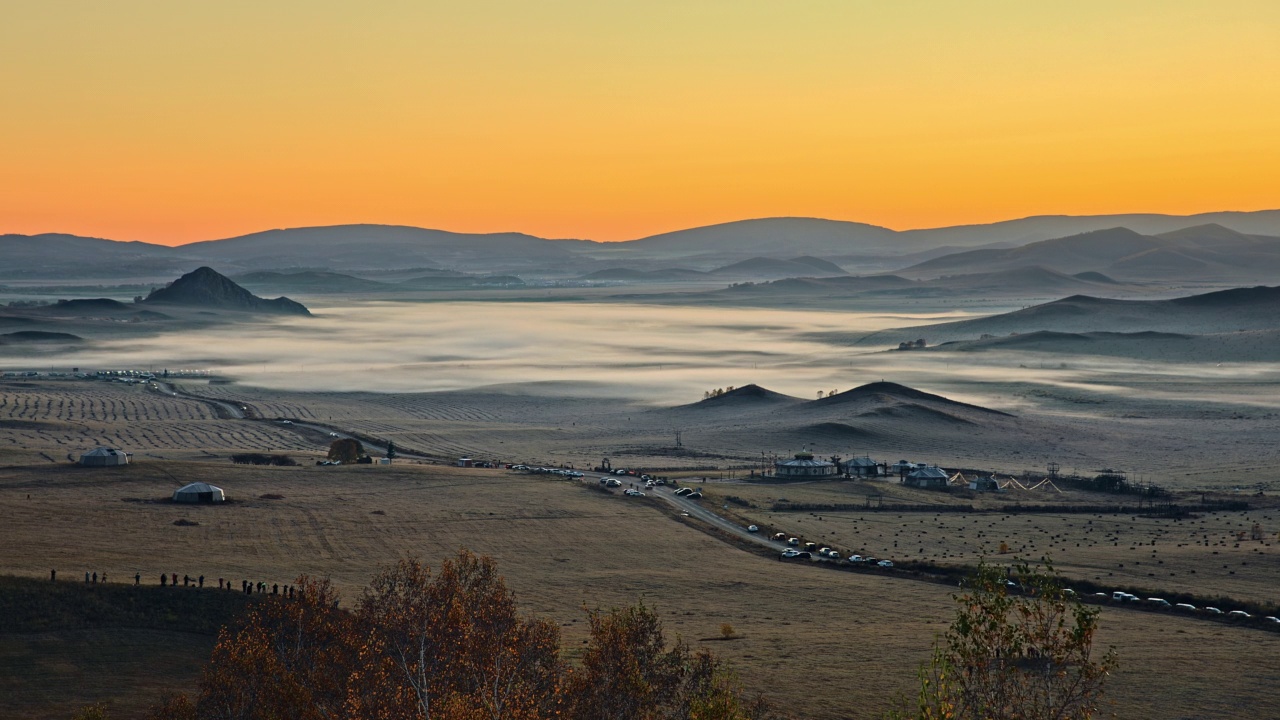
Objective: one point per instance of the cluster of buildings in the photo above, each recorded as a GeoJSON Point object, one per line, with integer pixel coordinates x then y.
{"type": "Point", "coordinates": [804, 466]}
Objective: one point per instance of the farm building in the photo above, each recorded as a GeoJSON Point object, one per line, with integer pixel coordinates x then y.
{"type": "Point", "coordinates": [199, 492]}
{"type": "Point", "coordinates": [862, 467]}
{"type": "Point", "coordinates": [984, 484]}
{"type": "Point", "coordinates": [103, 457]}
{"type": "Point", "coordinates": [803, 465]}
{"type": "Point", "coordinates": [927, 478]}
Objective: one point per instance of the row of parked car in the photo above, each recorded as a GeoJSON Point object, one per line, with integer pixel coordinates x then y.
{"type": "Point", "coordinates": [1120, 596]}
{"type": "Point", "coordinates": [809, 549]}
{"type": "Point", "coordinates": [546, 470]}
{"type": "Point", "coordinates": [689, 493]}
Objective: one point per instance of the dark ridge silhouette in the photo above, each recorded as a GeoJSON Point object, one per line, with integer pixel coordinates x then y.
{"type": "Point", "coordinates": [891, 392]}
{"type": "Point", "coordinates": [89, 305]}
{"type": "Point", "coordinates": [746, 395]}
{"type": "Point", "coordinates": [836, 431]}
{"type": "Point", "coordinates": [915, 411]}
{"type": "Point", "coordinates": [1233, 298]}
{"type": "Point", "coordinates": [1092, 276]}
{"type": "Point", "coordinates": [824, 266]}
{"type": "Point", "coordinates": [311, 281]}
{"type": "Point", "coordinates": [38, 336]}
{"type": "Point", "coordinates": [205, 287]}
{"type": "Point", "coordinates": [775, 268]}
{"type": "Point", "coordinates": [644, 275]}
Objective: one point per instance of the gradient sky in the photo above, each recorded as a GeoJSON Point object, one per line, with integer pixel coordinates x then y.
{"type": "Point", "coordinates": [178, 121]}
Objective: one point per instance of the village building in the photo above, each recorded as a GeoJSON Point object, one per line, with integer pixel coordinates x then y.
{"type": "Point", "coordinates": [804, 466]}
{"type": "Point", "coordinates": [104, 457]}
{"type": "Point", "coordinates": [984, 484]}
{"type": "Point", "coordinates": [927, 478]}
{"type": "Point", "coordinates": [199, 492]}
{"type": "Point", "coordinates": [862, 467]}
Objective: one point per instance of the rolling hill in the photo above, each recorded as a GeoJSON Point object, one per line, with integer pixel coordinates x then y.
{"type": "Point", "coordinates": [1239, 309]}
{"type": "Point", "coordinates": [1196, 253]}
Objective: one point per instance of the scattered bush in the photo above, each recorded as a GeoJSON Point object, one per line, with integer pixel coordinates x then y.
{"type": "Point", "coordinates": [183, 522]}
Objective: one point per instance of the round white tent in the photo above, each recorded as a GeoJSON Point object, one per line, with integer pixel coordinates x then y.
{"type": "Point", "coordinates": [102, 457]}
{"type": "Point", "coordinates": [199, 492]}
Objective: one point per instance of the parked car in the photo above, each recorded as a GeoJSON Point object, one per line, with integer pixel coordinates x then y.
{"type": "Point", "coordinates": [1239, 614]}
{"type": "Point", "coordinates": [790, 553]}
{"type": "Point", "coordinates": [1271, 619]}
{"type": "Point", "coordinates": [793, 541]}
{"type": "Point", "coordinates": [885, 563]}
{"type": "Point", "coordinates": [855, 558]}
{"type": "Point", "coordinates": [823, 551]}
{"type": "Point", "coordinates": [833, 554]}
{"type": "Point", "coordinates": [1213, 611]}
{"type": "Point", "coordinates": [753, 528]}
{"type": "Point", "coordinates": [805, 554]}
{"type": "Point", "coordinates": [779, 536]}
{"type": "Point", "coordinates": [1185, 606]}
{"type": "Point", "coordinates": [683, 491]}
{"type": "Point", "coordinates": [1159, 602]}
{"type": "Point", "coordinates": [695, 495]}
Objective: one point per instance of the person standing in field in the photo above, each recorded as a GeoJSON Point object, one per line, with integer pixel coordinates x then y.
{"type": "Point", "coordinates": [95, 578]}
{"type": "Point", "coordinates": [53, 576]}
{"type": "Point", "coordinates": [201, 581]}
{"type": "Point", "coordinates": [137, 579]}
{"type": "Point", "coordinates": [164, 579]}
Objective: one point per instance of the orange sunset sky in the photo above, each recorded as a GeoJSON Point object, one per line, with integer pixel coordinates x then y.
{"type": "Point", "coordinates": [179, 121]}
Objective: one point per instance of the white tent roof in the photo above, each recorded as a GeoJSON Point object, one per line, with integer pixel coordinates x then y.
{"type": "Point", "coordinates": [104, 452]}
{"type": "Point", "coordinates": [199, 487]}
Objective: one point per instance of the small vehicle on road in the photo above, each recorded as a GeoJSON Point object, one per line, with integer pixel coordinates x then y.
{"type": "Point", "coordinates": [1213, 611]}
{"type": "Point", "coordinates": [753, 528]}
{"type": "Point", "coordinates": [885, 563]}
{"type": "Point", "coordinates": [779, 536]}
{"type": "Point", "coordinates": [1185, 606]}
{"type": "Point", "coordinates": [1239, 615]}
{"type": "Point", "coordinates": [855, 558]}
{"type": "Point", "coordinates": [793, 541]}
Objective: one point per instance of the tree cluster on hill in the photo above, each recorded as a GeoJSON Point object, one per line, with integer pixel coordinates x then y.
{"type": "Point", "coordinates": [717, 392]}
{"type": "Point", "coordinates": [451, 646]}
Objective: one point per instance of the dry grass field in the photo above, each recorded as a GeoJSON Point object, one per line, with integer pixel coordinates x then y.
{"type": "Point", "coordinates": [67, 417]}
{"type": "Point", "coordinates": [822, 644]}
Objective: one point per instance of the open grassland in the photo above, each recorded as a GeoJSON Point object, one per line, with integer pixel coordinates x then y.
{"type": "Point", "coordinates": [822, 644]}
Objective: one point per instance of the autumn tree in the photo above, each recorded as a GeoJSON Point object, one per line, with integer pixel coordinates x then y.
{"type": "Point", "coordinates": [1025, 656]}
{"type": "Point", "coordinates": [289, 658]}
{"type": "Point", "coordinates": [628, 671]}
{"type": "Point", "coordinates": [454, 646]}
{"type": "Point", "coordinates": [347, 450]}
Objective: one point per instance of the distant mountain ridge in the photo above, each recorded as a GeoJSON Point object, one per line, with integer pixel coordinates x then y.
{"type": "Point", "coordinates": [1223, 240]}
{"type": "Point", "coordinates": [1203, 251]}
{"type": "Point", "coordinates": [1224, 311]}
{"type": "Point", "coordinates": [205, 287]}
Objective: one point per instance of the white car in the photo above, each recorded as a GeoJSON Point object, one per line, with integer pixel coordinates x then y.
{"type": "Point", "coordinates": [753, 528]}
{"type": "Point", "coordinates": [1240, 614]}
{"type": "Point", "coordinates": [1272, 619]}
{"type": "Point", "coordinates": [1213, 611]}
{"type": "Point", "coordinates": [855, 558]}
{"type": "Point", "coordinates": [885, 563]}
{"type": "Point", "coordinates": [1185, 606]}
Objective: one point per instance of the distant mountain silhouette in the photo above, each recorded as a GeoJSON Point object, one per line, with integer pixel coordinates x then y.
{"type": "Point", "coordinates": [748, 395]}
{"type": "Point", "coordinates": [764, 267]}
{"type": "Point", "coordinates": [1237, 309]}
{"type": "Point", "coordinates": [39, 336]}
{"type": "Point", "coordinates": [634, 275]}
{"type": "Point", "coordinates": [206, 288]}
{"type": "Point", "coordinates": [1195, 253]}
{"type": "Point", "coordinates": [890, 393]}
{"type": "Point", "coordinates": [312, 281]}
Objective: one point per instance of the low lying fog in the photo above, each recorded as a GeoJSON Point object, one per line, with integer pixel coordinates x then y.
{"type": "Point", "coordinates": [661, 354]}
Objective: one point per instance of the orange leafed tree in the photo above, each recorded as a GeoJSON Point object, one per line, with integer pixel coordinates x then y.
{"type": "Point", "coordinates": [453, 646]}
{"type": "Point", "coordinates": [449, 646]}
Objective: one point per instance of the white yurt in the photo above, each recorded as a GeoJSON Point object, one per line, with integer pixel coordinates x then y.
{"type": "Point", "coordinates": [199, 492]}
{"type": "Point", "coordinates": [102, 457]}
